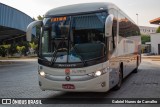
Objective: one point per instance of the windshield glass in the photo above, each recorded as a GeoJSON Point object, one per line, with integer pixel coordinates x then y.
{"type": "Point", "coordinates": [70, 39]}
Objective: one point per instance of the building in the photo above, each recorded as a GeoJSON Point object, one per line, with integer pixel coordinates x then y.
{"type": "Point", "coordinates": [146, 30]}
{"type": "Point", "coordinates": [155, 21]}
{"type": "Point", "coordinates": [155, 43]}
{"type": "Point", "coordinates": [13, 24]}
{"type": "Point", "coordinates": [155, 38]}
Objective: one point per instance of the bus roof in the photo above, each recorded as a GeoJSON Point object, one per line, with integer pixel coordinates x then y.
{"type": "Point", "coordinates": [80, 8]}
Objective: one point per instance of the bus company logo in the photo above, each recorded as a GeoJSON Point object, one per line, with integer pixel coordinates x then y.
{"type": "Point", "coordinates": [67, 71]}
{"type": "Point", "coordinates": [6, 101]}
{"type": "Point", "coordinates": [66, 65]}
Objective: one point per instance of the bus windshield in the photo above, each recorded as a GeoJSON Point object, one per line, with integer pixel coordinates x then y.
{"type": "Point", "coordinates": [71, 39]}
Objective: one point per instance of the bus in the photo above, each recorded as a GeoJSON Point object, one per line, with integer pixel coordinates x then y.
{"type": "Point", "coordinates": [87, 47]}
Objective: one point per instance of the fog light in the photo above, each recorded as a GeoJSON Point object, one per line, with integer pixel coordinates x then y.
{"type": "Point", "coordinates": [98, 73]}
{"type": "Point", "coordinates": [42, 73]}
{"type": "Point", "coordinates": [103, 84]}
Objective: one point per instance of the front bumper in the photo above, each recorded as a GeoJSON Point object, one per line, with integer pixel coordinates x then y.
{"type": "Point", "coordinates": [92, 85]}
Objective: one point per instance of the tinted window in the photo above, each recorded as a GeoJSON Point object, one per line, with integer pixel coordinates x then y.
{"type": "Point", "coordinates": [127, 28]}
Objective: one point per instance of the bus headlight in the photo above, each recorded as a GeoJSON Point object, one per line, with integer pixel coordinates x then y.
{"type": "Point", "coordinates": [98, 73]}
{"type": "Point", "coordinates": [42, 73]}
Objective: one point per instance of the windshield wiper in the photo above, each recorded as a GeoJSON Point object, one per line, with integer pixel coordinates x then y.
{"type": "Point", "coordinates": [53, 59]}
{"type": "Point", "coordinates": [84, 62]}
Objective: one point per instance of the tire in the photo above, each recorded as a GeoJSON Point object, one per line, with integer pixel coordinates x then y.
{"type": "Point", "coordinates": [136, 69]}
{"type": "Point", "coordinates": [118, 86]}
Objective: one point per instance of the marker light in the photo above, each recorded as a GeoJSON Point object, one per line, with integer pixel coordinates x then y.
{"type": "Point", "coordinates": [42, 73]}
{"type": "Point", "coordinates": [98, 73]}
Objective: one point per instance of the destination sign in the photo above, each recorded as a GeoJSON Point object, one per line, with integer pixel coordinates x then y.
{"type": "Point", "coordinates": [56, 19]}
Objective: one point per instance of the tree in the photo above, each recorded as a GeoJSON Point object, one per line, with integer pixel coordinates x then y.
{"type": "Point", "coordinates": [7, 47]}
{"type": "Point", "coordinates": [40, 17]}
{"type": "Point", "coordinates": [12, 49]}
{"type": "Point", "coordinates": [145, 38]}
{"type": "Point", "coordinates": [26, 49]}
{"type": "Point", "coordinates": [3, 51]}
{"type": "Point", "coordinates": [158, 30]}
{"type": "Point", "coordinates": [33, 18]}
{"type": "Point", "coordinates": [33, 46]}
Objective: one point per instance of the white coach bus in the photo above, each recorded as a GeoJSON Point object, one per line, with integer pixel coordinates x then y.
{"type": "Point", "coordinates": [87, 47]}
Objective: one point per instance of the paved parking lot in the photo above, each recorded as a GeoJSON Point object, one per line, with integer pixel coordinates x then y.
{"type": "Point", "coordinates": [19, 80]}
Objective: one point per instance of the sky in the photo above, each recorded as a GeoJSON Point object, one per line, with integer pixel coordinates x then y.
{"type": "Point", "coordinates": [146, 9]}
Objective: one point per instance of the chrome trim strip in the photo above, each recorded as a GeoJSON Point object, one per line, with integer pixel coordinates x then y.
{"type": "Point", "coordinates": [72, 78]}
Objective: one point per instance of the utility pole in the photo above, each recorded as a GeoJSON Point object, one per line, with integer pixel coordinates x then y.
{"type": "Point", "coordinates": [137, 18]}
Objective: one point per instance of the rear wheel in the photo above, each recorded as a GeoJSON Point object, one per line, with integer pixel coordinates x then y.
{"type": "Point", "coordinates": [136, 69]}
{"type": "Point", "coordinates": [118, 86]}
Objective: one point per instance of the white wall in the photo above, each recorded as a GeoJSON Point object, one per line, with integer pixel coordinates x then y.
{"type": "Point", "coordinates": [147, 30]}
{"type": "Point", "coordinates": [155, 40]}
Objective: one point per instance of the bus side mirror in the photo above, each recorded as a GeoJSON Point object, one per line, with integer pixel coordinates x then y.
{"type": "Point", "coordinates": [30, 27]}
{"type": "Point", "coordinates": [108, 25]}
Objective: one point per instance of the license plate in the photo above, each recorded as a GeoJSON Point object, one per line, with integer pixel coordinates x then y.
{"type": "Point", "coordinates": [68, 86]}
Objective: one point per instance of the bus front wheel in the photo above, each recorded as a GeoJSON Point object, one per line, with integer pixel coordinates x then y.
{"type": "Point", "coordinates": [118, 86]}
{"type": "Point", "coordinates": [137, 63]}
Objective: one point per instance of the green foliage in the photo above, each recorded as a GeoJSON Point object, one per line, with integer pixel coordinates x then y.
{"type": "Point", "coordinates": [12, 50]}
{"type": "Point", "coordinates": [33, 18]}
{"type": "Point", "coordinates": [6, 46]}
{"type": "Point", "coordinates": [3, 51]}
{"type": "Point", "coordinates": [158, 30]}
{"type": "Point", "coordinates": [40, 17]}
{"type": "Point", "coordinates": [20, 49]}
{"type": "Point", "coordinates": [26, 44]}
{"type": "Point", "coordinates": [33, 45]}
{"type": "Point", "coordinates": [145, 38]}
